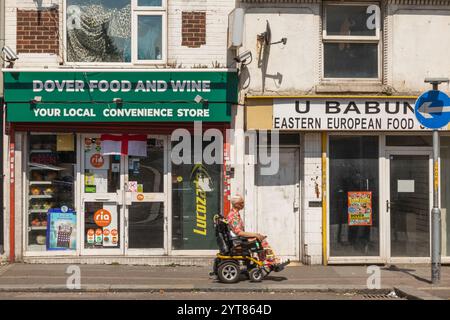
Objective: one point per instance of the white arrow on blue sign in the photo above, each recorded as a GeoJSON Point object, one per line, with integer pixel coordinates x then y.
{"type": "Point", "coordinates": [432, 109]}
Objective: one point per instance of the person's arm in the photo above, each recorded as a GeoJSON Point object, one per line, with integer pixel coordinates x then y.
{"type": "Point", "coordinates": [234, 222]}
{"type": "Point", "coordinates": [244, 234]}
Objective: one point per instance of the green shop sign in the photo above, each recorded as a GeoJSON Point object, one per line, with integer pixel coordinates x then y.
{"type": "Point", "coordinates": [119, 96]}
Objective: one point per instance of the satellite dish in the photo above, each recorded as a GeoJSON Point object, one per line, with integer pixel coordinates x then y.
{"type": "Point", "coordinates": [267, 34]}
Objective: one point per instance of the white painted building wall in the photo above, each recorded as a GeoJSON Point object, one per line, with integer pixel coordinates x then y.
{"type": "Point", "coordinates": [26, 59]}
{"type": "Point", "coordinates": [289, 68]}
{"type": "Point", "coordinates": [214, 54]}
{"type": "Point", "coordinates": [418, 46]}
{"type": "Point", "coordinates": [415, 44]}
{"type": "Point", "coordinates": [415, 35]}
{"type": "Point", "coordinates": [215, 50]}
{"type": "Point", "coordinates": [311, 217]}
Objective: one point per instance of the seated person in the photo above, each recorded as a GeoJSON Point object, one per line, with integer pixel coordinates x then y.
{"type": "Point", "coordinates": [236, 226]}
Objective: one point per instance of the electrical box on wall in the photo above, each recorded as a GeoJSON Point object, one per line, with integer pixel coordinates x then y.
{"type": "Point", "coordinates": [235, 28]}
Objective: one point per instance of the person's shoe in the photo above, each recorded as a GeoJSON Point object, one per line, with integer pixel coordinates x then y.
{"type": "Point", "coordinates": [280, 266]}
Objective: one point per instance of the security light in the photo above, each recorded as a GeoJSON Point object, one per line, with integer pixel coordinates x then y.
{"type": "Point", "coordinates": [200, 99]}
{"type": "Point", "coordinates": [118, 101]}
{"type": "Point", "coordinates": [243, 57]}
{"type": "Point", "coordinates": [10, 55]}
{"type": "Point", "coordinates": [36, 100]}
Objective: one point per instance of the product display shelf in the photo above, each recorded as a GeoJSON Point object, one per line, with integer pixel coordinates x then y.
{"type": "Point", "coordinates": [44, 167]}
{"type": "Point", "coordinates": [38, 228]}
{"type": "Point", "coordinates": [40, 196]}
{"type": "Point", "coordinates": [37, 247]}
{"type": "Point", "coordinates": [40, 183]}
{"type": "Point", "coordinates": [41, 151]}
{"type": "Point", "coordinates": [37, 211]}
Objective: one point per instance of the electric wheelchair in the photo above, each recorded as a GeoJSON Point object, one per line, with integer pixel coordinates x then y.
{"type": "Point", "coordinates": [239, 255]}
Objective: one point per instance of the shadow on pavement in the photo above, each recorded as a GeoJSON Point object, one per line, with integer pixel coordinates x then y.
{"type": "Point", "coordinates": [275, 278]}
{"type": "Point", "coordinates": [406, 271]}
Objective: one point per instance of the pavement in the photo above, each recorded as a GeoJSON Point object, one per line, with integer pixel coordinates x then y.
{"type": "Point", "coordinates": [406, 281]}
{"type": "Point", "coordinates": [195, 295]}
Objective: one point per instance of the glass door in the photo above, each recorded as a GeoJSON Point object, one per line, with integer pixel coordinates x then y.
{"type": "Point", "coordinates": [102, 199]}
{"type": "Point", "coordinates": [408, 205]}
{"type": "Point", "coordinates": [354, 220]}
{"type": "Point", "coordinates": [145, 200]}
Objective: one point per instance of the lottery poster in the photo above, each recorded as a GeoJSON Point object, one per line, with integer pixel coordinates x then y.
{"type": "Point", "coordinates": [360, 208]}
{"type": "Point", "coordinates": [61, 229]}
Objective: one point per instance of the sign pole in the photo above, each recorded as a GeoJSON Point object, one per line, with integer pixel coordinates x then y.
{"type": "Point", "coordinates": [435, 211]}
{"type": "Point", "coordinates": [432, 111]}
{"type": "Point", "coordinates": [435, 216]}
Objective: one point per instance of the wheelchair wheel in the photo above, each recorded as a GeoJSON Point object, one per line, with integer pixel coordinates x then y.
{"type": "Point", "coordinates": [229, 272]}
{"type": "Point", "coordinates": [256, 275]}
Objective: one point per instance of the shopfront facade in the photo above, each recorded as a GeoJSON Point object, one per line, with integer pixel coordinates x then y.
{"type": "Point", "coordinates": [110, 165]}
{"type": "Point", "coordinates": [337, 82]}
{"type": "Point", "coordinates": [366, 175]}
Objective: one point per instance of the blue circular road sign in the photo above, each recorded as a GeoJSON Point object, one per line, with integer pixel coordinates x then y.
{"type": "Point", "coordinates": [432, 109]}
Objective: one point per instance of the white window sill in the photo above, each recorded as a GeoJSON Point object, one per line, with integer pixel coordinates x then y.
{"type": "Point", "coordinates": [356, 87]}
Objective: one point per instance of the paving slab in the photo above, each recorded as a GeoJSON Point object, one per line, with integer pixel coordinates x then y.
{"type": "Point", "coordinates": [410, 280]}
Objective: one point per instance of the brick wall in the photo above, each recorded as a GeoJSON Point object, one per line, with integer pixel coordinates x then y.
{"type": "Point", "coordinates": [193, 30]}
{"type": "Point", "coordinates": [213, 54]}
{"type": "Point", "coordinates": [37, 31]}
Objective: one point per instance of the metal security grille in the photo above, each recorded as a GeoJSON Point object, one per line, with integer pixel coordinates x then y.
{"type": "Point", "coordinates": [280, 1]}
{"type": "Point", "coordinates": [381, 296]}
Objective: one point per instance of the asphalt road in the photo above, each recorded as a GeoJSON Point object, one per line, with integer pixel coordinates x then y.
{"type": "Point", "coordinates": [190, 296]}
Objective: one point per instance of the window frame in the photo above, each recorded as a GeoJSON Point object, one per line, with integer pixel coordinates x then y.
{"type": "Point", "coordinates": [135, 42]}
{"type": "Point", "coordinates": [374, 39]}
{"type": "Point", "coordinates": [135, 9]}
{"type": "Point", "coordinates": [135, 5]}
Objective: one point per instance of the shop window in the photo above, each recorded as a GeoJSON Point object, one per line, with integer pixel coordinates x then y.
{"type": "Point", "coordinates": [50, 192]}
{"type": "Point", "coordinates": [286, 139]}
{"type": "Point", "coordinates": [101, 172]}
{"type": "Point", "coordinates": [445, 195]}
{"type": "Point", "coordinates": [354, 196]}
{"type": "Point", "coordinates": [196, 198]}
{"type": "Point", "coordinates": [351, 40]}
{"type": "Point", "coordinates": [409, 141]}
{"type": "Point", "coordinates": [149, 39]}
{"type": "Point", "coordinates": [150, 3]}
{"type": "Point", "coordinates": [104, 31]}
{"type": "Point", "coordinates": [146, 225]}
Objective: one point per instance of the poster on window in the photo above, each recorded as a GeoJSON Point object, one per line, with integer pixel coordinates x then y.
{"type": "Point", "coordinates": [106, 233]}
{"type": "Point", "coordinates": [359, 208]}
{"type": "Point", "coordinates": [61, 229]}
{"type": "Point", "coordinates": [199, 200]}
{"type": "Point", "coordinates": [94, 160]}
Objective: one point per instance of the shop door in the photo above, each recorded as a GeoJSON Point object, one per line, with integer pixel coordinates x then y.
{"type": "Point", "coordinates": [278, 204]}
{"type": "Point", "coordinates": [145, 200]}
{"type": "Point", "coordinates": [102, 199]}
{"type": "Point", "coordinates": [408, 206]}
{"type": "Point", "coordinates": [123, 200]}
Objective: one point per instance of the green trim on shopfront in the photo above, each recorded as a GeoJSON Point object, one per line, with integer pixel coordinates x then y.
{"type": "Point", "coordinates": [117, 96]}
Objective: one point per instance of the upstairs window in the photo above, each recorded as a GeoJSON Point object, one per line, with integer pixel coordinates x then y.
{"type": "Point", "coordinates": [351, 41]}
{"type": "Point", "coordinates": [120, 31]}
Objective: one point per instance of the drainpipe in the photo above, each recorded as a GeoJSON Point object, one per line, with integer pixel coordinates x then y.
{"type": "Point", "coordinates": [2, 212]}
{"type": "Point", "coordinates": [12, 195]}
{"type": "Point", "coordinates": [324, 199]}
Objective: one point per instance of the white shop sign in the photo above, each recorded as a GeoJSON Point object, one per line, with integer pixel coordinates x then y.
{"type": "Point", "coordinates": [345, 114]}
